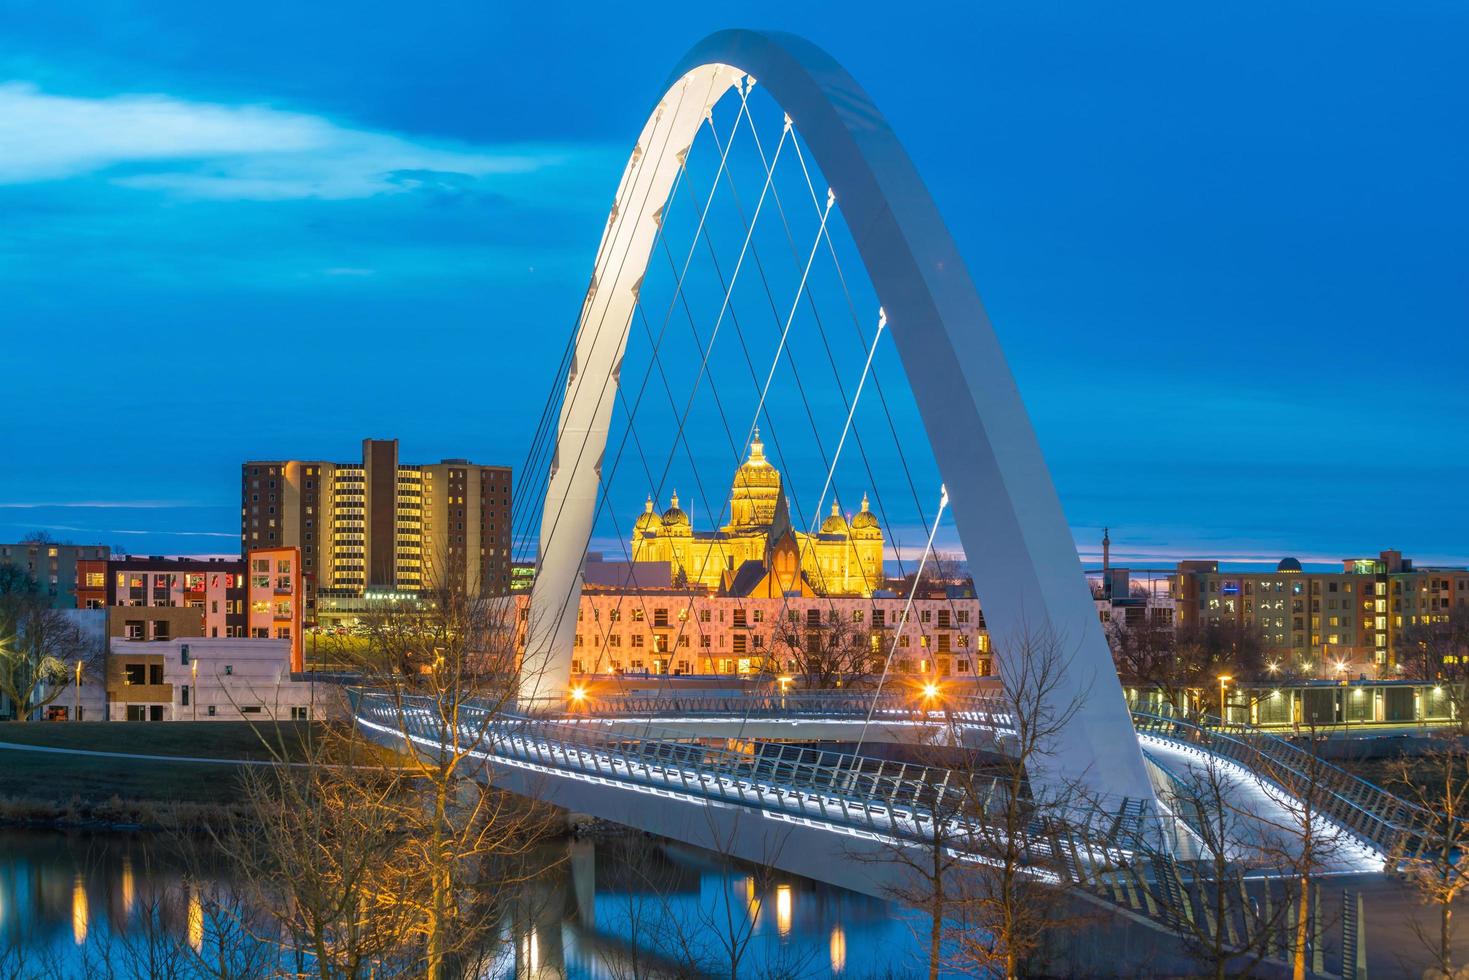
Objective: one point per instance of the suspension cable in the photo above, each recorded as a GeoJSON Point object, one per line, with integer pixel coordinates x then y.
{"type": "Point", "coordinates": [903, 620]}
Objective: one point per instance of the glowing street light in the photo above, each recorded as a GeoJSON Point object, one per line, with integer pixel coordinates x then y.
{"type": "Point", "coordinates": [930, 690]}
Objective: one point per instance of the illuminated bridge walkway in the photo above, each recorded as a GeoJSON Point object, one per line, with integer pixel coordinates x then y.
{"type": "Point", "coordinates": [643, 762]}
{"type": "Point", "coordinates": [1172, 741]}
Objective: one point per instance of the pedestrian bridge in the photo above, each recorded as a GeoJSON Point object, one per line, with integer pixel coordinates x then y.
{"type": "Point", "coordinates": [649, 763]}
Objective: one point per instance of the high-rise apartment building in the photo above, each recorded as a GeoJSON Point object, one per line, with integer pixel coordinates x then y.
{"type": "Point", "coordinates": [381, 528]}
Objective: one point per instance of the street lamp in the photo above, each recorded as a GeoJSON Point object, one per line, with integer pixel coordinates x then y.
{"type": "Point", "coordinates": [1223, 711]}
{"type": "Point", "coordinates": [194, 685]}
{"type": "Point", "coordinates": [76, 711]}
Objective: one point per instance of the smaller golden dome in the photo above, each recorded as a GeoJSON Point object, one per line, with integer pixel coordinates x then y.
{"type": "Point", "coordinates": [648, 520]}
{"type": "Point", "coordinates": [864, 524]}
{"type": "Point", "coordinates": [674, 518]}
{"type": "Point", "coordinates": [836, 523]}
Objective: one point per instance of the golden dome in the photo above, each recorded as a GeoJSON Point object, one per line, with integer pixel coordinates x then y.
{"type": "Point", "coordinates": [648, 520]}
{"type": "Point", "coordinates": [756, 471]}
{"type": "Point", "coordinates": [836, 523]}
{"type": "Point", "coordinates": [752, 499]}
{"type": "Point", "coordinates": [864, 524]}
{"type": "Point", "coordinates": [675, 521]}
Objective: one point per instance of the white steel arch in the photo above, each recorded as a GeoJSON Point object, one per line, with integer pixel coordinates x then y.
{"type": "Point", "coordinates": [1009, 518]}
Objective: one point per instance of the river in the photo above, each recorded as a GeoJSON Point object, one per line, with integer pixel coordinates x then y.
{"type": "Point", "coordinates": [74, 904]}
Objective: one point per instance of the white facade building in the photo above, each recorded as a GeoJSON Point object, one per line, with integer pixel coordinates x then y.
{"type": "Point", "coordinates": [209, 679]}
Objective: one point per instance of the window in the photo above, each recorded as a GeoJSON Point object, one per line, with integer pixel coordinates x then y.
{"type": "Point", "coordinates": [184, 654]}
{"type": "Point", "coordinates": [229, 669]}
{"type": "Point", "coordinates": [300, 714]}
{"type": "Point", "coordinates": [135, 674]}
{"type": "Point", "coordinates": [155, 673]}
{"type": "Point", "coordinates": [184, 695]}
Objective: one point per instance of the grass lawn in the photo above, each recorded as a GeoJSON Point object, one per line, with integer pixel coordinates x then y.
{"type": "Point", "coordinates": [50, 776]}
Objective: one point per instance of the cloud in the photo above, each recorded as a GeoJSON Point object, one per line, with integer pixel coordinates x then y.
{"type": "Point", "coordinates": [96, 504]}
{"type": "Point", "coordinates": [235, 152]}
{"type": "Point", "coordinates": [117, 530]}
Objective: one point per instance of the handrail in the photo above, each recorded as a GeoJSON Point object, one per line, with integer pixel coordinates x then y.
{"type": "Point", "coordinates": [1108, 854]}
{"type": "Point", "coordinates": [876, 795]}
{"type": "Point", "coordinates": [793, 704]}
{"type": "Point", "coordinates": [1385, 821]}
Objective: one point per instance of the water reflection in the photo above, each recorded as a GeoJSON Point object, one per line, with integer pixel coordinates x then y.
{"type": "Point", "coordinates": [79, 911]}
{"type": "Point", "coordinates": [623, 907]}
{"type": "Point", "coordinates": [129, 887]}
{"type": "Point", "coordinates": [783, 909]}
{"type": "Point", "coordinates": [196, 921]}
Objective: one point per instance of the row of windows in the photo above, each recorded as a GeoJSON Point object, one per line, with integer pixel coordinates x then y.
{"type": "Point", "coordinates": [943, 666]}
{"type": "Point", "coordinates": [812, 616]}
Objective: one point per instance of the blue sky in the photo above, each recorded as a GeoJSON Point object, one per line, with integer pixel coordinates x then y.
{"type": "Point", "coordinates": [1224, 247]}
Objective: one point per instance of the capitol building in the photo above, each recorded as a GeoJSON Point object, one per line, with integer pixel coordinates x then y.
{"type": "Point", "coordinates": [759, 552]}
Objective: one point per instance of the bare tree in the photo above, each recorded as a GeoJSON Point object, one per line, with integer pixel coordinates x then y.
{"type": "Point", "coordinates": [1300, 839]}
{"type": "Point", "coordinates": [984, 866]}
{"type": "Point", "coordinates": [448, 663]}
{"type": "Point", "coordinates": [825, 652]}
{"type": "Point", "coordinates": [1438, 650]}
{"type": "Point", "coordinates": [723, 930]}
{"type": "Point", "coordinates": [1434, 864]}
{"type": "Point", "coordinates": [938, 574]}
{"type": "Point", "coordinates": [39, 645]}
{"type": "Point", "coordinates": [1186, 659]}
{"type": "Point", "coordinates": [1224, 927]}
{"type": "Point", "coordinates": [321, 849]}
{"type": "Point", "coordinates": [1014, 897]}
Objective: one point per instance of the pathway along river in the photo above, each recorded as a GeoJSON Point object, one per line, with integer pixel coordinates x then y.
{"type": "Point", "coordinates": [614, 908]}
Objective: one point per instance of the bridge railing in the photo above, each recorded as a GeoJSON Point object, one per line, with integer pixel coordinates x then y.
{"type": "Point", "coordinates": [798, 704]}
{"type": "Point", "coordinates": [891, 798]}
{"type": "Point", "coordinates": [1386, 822]}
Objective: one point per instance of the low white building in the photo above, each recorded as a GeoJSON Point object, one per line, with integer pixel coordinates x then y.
{"type": "Point", "coordinates": [210, 679]}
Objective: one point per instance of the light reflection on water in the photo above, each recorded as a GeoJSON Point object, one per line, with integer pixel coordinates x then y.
{"type": "Point", "coordinates": [625, 907]}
